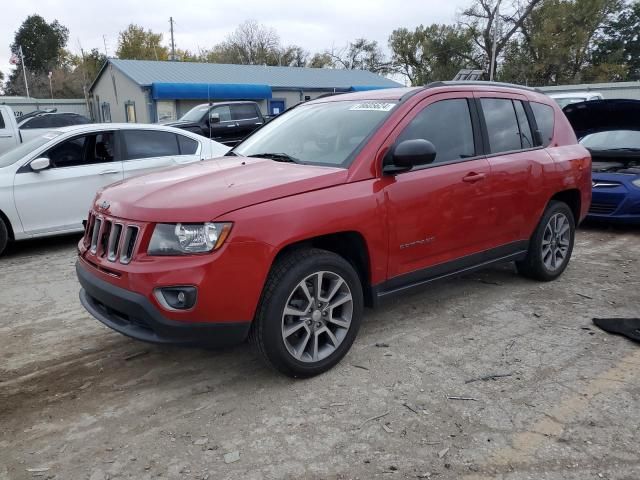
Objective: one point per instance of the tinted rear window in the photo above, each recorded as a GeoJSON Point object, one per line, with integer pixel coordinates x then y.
{"type": "Point", "coordinates": [545, 118]}
{"type": "Point", "coordinates": [188, 146]}
{"type": "Point", "coordinates": [1, 121]}
{"type": "Point", "coordinates": [149, 143]}
{"type": "Point", "coordinates": [502, 124]}
{"type": "Point", "coordinates": [243, 112]}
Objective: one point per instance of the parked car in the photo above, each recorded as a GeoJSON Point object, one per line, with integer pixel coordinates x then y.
{"type": "Point", "coordinates": [567, 98]}
{"type": "Point", "coordinates": [610, 130]}
{"type": "Point", "coordinates": [50, 119]}
{"type": "Point", "coordinates": [224, 122]}
{"type": "Point", "coordinates": [47, 183]}
{"type": "Point", "coordinates": [337, 203]}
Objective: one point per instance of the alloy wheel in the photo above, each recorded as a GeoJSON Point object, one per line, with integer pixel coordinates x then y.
{"type": "Point", "coordinates": [317, 316]}
{"type": "Point", "coordinates": [556, 241]}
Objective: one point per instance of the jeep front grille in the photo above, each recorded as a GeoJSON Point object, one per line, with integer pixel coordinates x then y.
{"type": "Point", "coordinates": [106, 237]}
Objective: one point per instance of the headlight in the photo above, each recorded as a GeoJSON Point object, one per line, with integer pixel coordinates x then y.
{"type": "Point", "coordinates": [182, 238]}
{"type": "Point", "coordinates": [636, 182]}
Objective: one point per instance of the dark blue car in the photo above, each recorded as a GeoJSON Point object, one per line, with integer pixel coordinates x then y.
{"type": "Point", "coordinates": [610, 130]}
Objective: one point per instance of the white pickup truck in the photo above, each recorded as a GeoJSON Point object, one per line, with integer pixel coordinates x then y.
{"type": "Point", "coordinates": [10, 135]}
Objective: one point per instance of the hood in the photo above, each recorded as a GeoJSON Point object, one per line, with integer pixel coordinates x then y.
{"type": "Point", "coordinates": [205, 190]}
{"type": "Point", "coordinates": [603, 115]}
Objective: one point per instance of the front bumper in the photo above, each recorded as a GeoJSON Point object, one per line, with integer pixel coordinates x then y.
{"type": "Point", "coordinates": [135, 316]}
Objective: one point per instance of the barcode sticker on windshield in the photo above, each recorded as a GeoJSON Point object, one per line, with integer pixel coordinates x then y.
{"type": "Point", "coordinates": [375, 106]}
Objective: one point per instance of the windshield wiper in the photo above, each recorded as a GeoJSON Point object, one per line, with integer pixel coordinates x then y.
{"type": "Point", "coordinates": [278, 157]}
{"type": "Point", "coordinates": [231, 153]}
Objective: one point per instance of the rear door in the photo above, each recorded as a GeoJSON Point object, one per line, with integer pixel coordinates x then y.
{"type": "Point", "coordinates": [247, 117]}
{"type": "Point", "coordinates": [144, 151]}
{"type": "Point", "coordinates": [442, 211]}
{"type": "Point", "coordinates": [58, 198]}
{"type": "Point", "coordinates": [517, 164]}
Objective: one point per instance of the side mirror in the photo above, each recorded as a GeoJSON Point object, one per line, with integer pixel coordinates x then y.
{"type": "Point", "coordinates": [214, 118]}
{"type": "Point", "coordinates": [40, 164]}
{"type": "Point", "coordinates": [408, 154]}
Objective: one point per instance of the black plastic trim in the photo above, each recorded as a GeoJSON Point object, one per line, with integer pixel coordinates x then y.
{"type": "Point", "coordinates": [470, 263]}
{"type": "Point", "coordinates": [135, 316]}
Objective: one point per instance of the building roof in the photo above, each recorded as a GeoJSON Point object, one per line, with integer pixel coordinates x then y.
{"type": "Point", "coordinates": [148, 72]}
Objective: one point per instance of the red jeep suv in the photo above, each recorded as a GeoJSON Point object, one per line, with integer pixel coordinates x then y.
{"type": "Point", "coordinates": [338, 203]}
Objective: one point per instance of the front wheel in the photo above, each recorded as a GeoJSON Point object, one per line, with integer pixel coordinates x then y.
{"type": "Point", "coordinates": [551, 245]}
{"type": "Point", "coordinates": [310, 312]}
{"type": "Point", "coordinates": [4, 236]}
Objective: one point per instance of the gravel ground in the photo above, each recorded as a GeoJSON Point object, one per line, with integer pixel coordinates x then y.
{"type": "Point", "coordinates": [78, 401]}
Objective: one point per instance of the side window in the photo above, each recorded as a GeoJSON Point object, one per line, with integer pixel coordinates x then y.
{"type": "Point", "coordinates": [68, 154]}
{"type": "Point", "coordinates": [446, 124]}
{"type": "Point", "coordinates": [244, 111]}
{"type": "Point", "coordinates": [100, 148]}
{"type": "Point", "coordinates": [545, 118]}
{"type": "Point", "coordinates": [2, 125]}
{"type": "Point", "coordinates": [149, 143]}
{"type": "Point", "coordinates": [224, 111]}
{"type": "Point", "coordinates": [502, 124]}
{"type": "Point", "coordinates": [526, 135]}
{"type": "Point", "coordinates": [43, 121]}
{"type": "Point", "coordinates": [188, 146]}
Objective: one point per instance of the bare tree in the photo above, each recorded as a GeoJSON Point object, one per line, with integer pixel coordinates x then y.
{"type": "Point", "coordinates": [252, 43]}
{"type": "Point", "coordinates": [481, 19]}
{"type": "Point", "coordinates": [361, 54]}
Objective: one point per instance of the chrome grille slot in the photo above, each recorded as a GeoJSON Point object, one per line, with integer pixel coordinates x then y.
{"type": "Point", "coordinates": [103, 239]}
{"type": "Point", "coordinates": [128, 243]}
{"type": "Point", "coordinates": [97, 225]}
{"type": "Point", "coordinates": [88, 229]}
{"type": "Point", "coordinates": [114, 242]}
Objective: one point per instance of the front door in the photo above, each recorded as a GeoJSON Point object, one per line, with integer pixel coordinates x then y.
{"type": "Point", "coordinates": [442, 211]}
{"type": "Point", "coordinates": [222, 127]}
{"type": "Point", "coordinates": [58, 198]}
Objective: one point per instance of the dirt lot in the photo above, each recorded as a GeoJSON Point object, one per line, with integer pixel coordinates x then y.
{"type": "Point", "coordinates": [78, 401]}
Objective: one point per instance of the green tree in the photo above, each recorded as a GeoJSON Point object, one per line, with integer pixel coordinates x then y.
{"type": "Point", "coordinates": [435, 52]}
{"type": "Point", "coordinates": [361, 54]}
{"type": "Point", "coordinates": [137, 44]}
{"type": "Point", "coordinates": [556, 43]}
{"type": "Point", "coordinates": [42, 43]}
{"type": "Point", "coordinates": [619, 42]}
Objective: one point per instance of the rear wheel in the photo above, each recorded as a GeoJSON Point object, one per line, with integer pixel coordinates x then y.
{"type": "Point", "coordinates": [310, 312]}
{"type": "Point", "coordinates": [551, 245]}
{"type": "Point", "coordinates": [4, 236]}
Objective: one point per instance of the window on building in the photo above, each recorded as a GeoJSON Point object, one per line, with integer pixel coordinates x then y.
{"type": "Point", "coordinates": [130, 112]}
{"type": "Point", "coordinates": [106, 112]}
{"type": "Point", "coordinates": [149, 143]}
{"type": "Point", "coordinates": [446, 124]}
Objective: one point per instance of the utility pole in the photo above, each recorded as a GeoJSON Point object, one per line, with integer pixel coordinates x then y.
{"type": "Point", "coordinates": [104, 40]}
{"type": "Point", "coordinates": [173, 44]}
{"type": "Point", "coordinates": [24, 71]}
{"type": "Point", "coordinates": [494, 47]}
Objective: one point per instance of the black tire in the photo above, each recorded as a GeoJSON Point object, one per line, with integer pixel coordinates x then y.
{"type": "Point", "coordinates": [533, 266]}
{"type": "Point", "coordinates": [283, 280]}
{"type": "Point", "coordinates": [4, 236]}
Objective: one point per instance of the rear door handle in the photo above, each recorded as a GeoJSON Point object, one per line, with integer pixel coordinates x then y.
{"type": "Point", "coordinates": [108, 172]}
{"type": "Point", "coordinates": [473, 177]}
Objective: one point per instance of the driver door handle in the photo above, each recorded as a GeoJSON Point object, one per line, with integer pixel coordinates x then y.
{"type": "Point", "coordinates": [108, 172]}
{"type": "Point", "coordinates": [473, 177]}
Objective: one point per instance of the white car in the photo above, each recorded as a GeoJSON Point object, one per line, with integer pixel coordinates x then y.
{"type": "Point", "coordinates": [567, 98]}
{"type": "Point", "coordinates": [48, 183]}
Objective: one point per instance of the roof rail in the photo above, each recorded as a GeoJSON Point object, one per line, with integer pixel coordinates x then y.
{"type": "Point", "coordinates": [481, 83]}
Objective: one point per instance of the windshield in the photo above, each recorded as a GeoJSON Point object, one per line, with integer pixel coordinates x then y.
{"type": "Point", "coordinates": [563, 102]}
{"type": "Point", "coordinates": [320, 134]}
{"type": "Point", "coordinates": [12, 156]}
{"type": "Point", "coordinates": [195, 114]}
{"type": "Point", "coordinates": [613, 139]}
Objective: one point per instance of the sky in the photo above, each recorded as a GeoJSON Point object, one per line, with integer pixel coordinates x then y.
{"type": "Point", "coordinates": [315, 26]}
